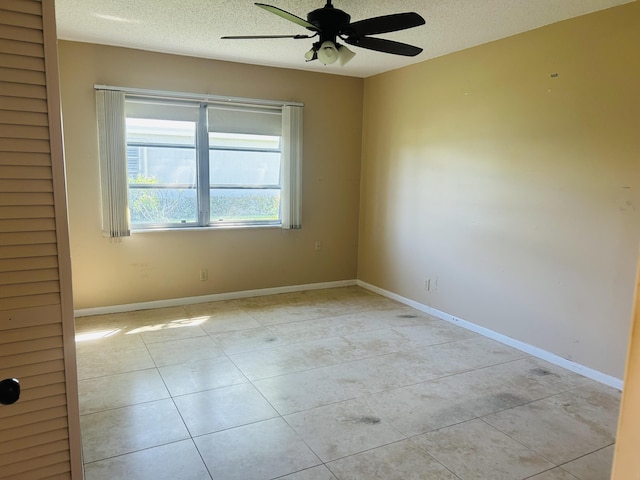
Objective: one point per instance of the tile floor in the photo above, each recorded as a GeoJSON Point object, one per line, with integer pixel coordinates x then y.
{"type": "Point", "coordinates": [337, 384]}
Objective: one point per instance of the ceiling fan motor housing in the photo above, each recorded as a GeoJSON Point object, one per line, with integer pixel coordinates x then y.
{"type": "Point", "coordinates": [330, 22]}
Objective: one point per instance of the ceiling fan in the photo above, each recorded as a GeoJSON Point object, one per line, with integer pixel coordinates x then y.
{"type": "Point", "coordinates": [329, 24]}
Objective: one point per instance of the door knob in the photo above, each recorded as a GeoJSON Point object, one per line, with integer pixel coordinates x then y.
{"type": "Point", "coordinates": [9, 391]}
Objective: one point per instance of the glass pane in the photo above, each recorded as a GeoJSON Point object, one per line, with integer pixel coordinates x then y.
{"type": "Point", "coordinates": [163, 165]}
{"type": "Point", "coordinates": [228, 167]}
{"type": "Point", "coordinates": [171, 132]}
{"type": "Point", "coordinates": [162, 205]}
{"type": "Point", "coordinates": [241, 140]}
{"type": "Point", "coordinates": [245, 205]}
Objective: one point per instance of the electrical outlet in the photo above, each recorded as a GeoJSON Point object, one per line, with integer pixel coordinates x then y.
{"type": "Point", "coordinates": [204, 274]}
{"type": "Point", "coordinates": [318, 245]}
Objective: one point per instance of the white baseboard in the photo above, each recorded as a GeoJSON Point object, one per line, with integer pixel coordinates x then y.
{"type": "Point", "coordinates": [517, 344]}
{"type": "Point", "coordinates": [175, 302]}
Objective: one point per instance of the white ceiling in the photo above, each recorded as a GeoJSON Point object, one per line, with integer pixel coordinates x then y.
{"type": "Point", "coordinates": [194, 27]}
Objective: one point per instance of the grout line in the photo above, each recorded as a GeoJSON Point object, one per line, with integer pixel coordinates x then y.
{"type": "Point", "coordinates": [121, 407]}
{"type": "Point", "coordinates": [586, 454]}
{"type": "Point", "coordinates": [136, 451]}
{"type": "Point", "coordinates": [549, 470]}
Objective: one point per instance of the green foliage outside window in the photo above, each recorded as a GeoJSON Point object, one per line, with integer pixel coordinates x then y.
{"type": "Point", "coordinates": [150, 205]}
{"type": "Point", "coordinates": [158, 205]}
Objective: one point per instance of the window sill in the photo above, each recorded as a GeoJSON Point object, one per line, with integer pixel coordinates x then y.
{"type": "Point", "coordinates": [200, 229]}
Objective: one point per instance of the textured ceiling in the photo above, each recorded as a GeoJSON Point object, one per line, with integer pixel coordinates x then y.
{"type": "Point", "coordinates": [194, 27]}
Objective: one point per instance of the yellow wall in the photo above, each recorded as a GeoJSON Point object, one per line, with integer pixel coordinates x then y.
{"type": "Point", "coordinates": [166, 265]}
{"type": "Point", "coordinates": [509, 175]}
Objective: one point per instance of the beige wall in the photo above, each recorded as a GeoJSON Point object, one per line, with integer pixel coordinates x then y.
{"type": "Point", "coordinates": [509, 175]}
{"type": "Point", "coordinates": [165, 265]}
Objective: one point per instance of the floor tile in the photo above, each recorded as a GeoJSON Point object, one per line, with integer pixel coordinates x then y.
{"type": "Point", "coordinates": [175, 461]}
{"type": "Point", "coordinates": [220, 307]}
{"type": "Point", "coordinates": [199, 375]}
{"type": "Point", "coordinates": [128, 429]}
{"type": "Point", "coordinates": [248, 340]}
{"type": "Point", "coordinates": [222, 408]}
{"type": "Point", "coordinates": [433, 332]}
{"type": "Point", "coordinates": [368, 301]}
{"type": "Point", "coordinates": [142, 318]}
{"type": "Point", "coordinates": [537, 379]}
{"type": "Point", "coordinates": [260, 451]}
{"type": "Point", "coordinates": [230, 322]}
{"type": "Point", "coordinates": [379, 342]}
{"type": "Point", "coordinates": [464, 355]}
{"type": "Point", "coordinates": [322, 386]}
{"type": "Point", "coordinates": [98, 361]}
{"type": "Point", "coordinates": [398, 461]}
{"type": "Point", "coordinates": [592, 403]}
{"type": "Point", "coordinates": [225, 316]}
{"type": "Point", "coordinates": [99, 334]}
{"type": "Point", "coordinates": [383, 372]}
{"type": "Point", "coordinates": [185, 350]}
{"type": "Point", "coordinates": [595, 466]}
{"type": "Point", "coordinates": [332, 326]}
{"type": "Point", "coordinates": [551, 433]}
{"type": "Point", "coordinates": [294, 358]}
{"type": "Point", "coordinates": [108, 322]}
{"type": "Point", "coordinates": [442, 402]}
{"type": "Point", "coordinates": [475, 450]}
{"type": "Point", "coordinates": [342, 429]}
{"type": "Point", "coordinates": [314, 473]}
{"type": "Point", "coordinates": [299, 391]}
{"type": "Point", "coordinates": [175, 330]}
{"type": "Point", "coordinates": [292, 313]}
{"type": "Point", "coordinates": [115, 391]}
{"type": "Point", "coordinates": [399, 316]}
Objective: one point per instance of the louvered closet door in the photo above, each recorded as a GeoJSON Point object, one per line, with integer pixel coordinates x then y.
{"type": "Point", "coordinates": [39, 435]}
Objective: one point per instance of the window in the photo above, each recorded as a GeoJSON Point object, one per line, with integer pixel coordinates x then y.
{"type": "Point", "coordinates": [162, 186]}
{"type": "Point", "coordinates": [198, 164]}
{"type": "Point", "coordinates": [244, 172]}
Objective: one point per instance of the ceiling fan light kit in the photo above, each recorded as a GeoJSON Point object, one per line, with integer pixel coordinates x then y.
{"type": "Point", "coordinates": [328, 52]}
{"type": "Point", "coordinates": [344, 55]}
{"type": "Point", "coordinates": [329, 24]}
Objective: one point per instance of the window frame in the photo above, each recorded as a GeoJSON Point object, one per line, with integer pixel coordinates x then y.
{"type": "Point", "coordinates": [204, 185]}
{"type": "Point", "coordinates": [112, 142]}
{"type": "Point", "coordinates": [246, 186]}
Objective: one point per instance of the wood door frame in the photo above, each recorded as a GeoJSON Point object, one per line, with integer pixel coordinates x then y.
{"type": "Point", "coordinates": [625, 461]}
{"type": "Point", "coordinates": [62, 235]}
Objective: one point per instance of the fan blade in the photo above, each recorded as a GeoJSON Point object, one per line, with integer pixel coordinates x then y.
{"type": "Point", "coordinates": [385, 24]}
{"type": "Point", "coordinates": [383, 45]}
{"type": "Point", "coordinates": [287, 16]}
{"type": "Point", "coordinates": [250, 37]}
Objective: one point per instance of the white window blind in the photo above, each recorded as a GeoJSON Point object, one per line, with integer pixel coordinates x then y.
{"type": "Point", "coordinates": [113, 163]}
{"type": "Point", "coordinates": [238, 119]}
{"type": "Point", "coordinates": [291, 167]}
